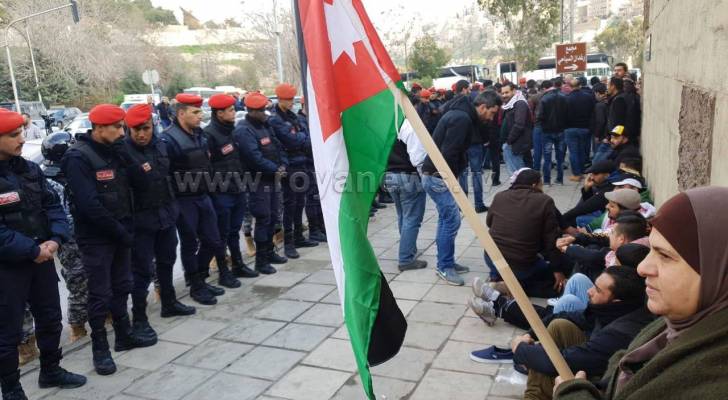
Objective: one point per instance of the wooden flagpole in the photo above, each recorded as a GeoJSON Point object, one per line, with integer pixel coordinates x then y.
{"type": "Point", "coordinates": [482, 233]}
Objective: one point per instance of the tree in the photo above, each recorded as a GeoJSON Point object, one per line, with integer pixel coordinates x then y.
{"type": "Point", "coordinates": [530, 27]}
{"type": "Point", "coordinates": [622, 39]}
{"type": "Point", "coordinates": [427, 57]}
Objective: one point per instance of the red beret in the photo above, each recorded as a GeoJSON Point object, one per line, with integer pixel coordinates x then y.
{"type": "Point", "coordinates": [431, 89]}
{"type": "Point", "coordinates": [189, 99]}
{"type": "Point", "coordinates": [425, 94]}
{"type": "Point", "coordinates": [256, 101]}
{"type": "Point", "coordinates": [221, 101]}
{"type": "Point", "coordinates": [285, 91]}
{"type": "Point", "coordinates": [138, 114]}
{"type": "Point", "coordinates": [453, 86]}
{"type": "Point", "coordinates": [416, 86]}
{"type": "Point", "coordinates": [10, 121]}
{"type": "Point", "coordinates": [522, 80]}
{"type": "Point", "coordinates": [106, 114]}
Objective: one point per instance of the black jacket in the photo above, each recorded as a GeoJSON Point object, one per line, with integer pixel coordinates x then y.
{"type": "Point", "coordinates": [551, 113]}
{"type": "Point", "coordinates": [580, 105]}
{"type": "Point", "coordinates": [633, 116]}
{"type": "Point", "coordinates": [610, 328]}
{"type": "Point", "coordinates": [591, 200]}
{"type": "Point", "coordinates": [617, 112]}
{"type": "Point", "coordinates": [453, 134]}
{"type": "Point", "coordinates": [598, 126]}
{"type": "Point", "coordinates": [519, 127]}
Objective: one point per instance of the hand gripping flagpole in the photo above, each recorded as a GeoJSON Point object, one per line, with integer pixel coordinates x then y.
{"type": "Point", "coordinates": [482, 233]}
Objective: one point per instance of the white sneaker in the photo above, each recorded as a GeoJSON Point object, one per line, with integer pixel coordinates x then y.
{"type": "Point", "coordinates": [483, 309]}
{"type": "Point", "coordinates": [552, 301]}
{"type": "Point", "coordinates": [483, 289]}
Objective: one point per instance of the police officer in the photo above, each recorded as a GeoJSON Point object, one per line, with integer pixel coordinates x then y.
{"type": "Point", "coordinates": [32, 226]}
{"type": "Point", "coordinates": [190, 168]}
{"type": "Point", "coordinates": [53, 148]}
{"type": "Point", "coordinates": [314, 215]}
{"type": "Point", "coordinates": [265, 157]}
{"type": "Point", "coordinates": [230, 197]}
{"type": "Point", "coordinates": [98, 174]}
{"type": "Point", "coordinates": [296, 141]}
{"type": "Point", "coordinates": [155, 215]}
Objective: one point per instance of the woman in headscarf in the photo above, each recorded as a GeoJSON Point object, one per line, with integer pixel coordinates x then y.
{"type": "Point", "coordinates": [684, 354]}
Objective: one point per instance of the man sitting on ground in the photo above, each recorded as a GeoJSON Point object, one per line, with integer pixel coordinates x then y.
{"type": "Point", "coordinates": [592, 201]}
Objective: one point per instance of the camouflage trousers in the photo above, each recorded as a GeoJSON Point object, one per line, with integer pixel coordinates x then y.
{"type": "Point", "coordinates": [74, 274]}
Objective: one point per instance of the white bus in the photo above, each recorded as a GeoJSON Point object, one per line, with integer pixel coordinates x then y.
{"type": "Point", "coordinates": [449, 75]}
{"type": "Point", "coordinates": [598, 64]}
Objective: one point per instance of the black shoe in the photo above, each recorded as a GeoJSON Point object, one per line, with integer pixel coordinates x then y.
{"type": "Point", "coordinates": [176, 309]}
{"type": "Point", "coordinates": [415, 264]}
{"type": "Point", "coordinates": [103, 363]}
{"type": "Point", "coordinates": [274, 258]}
{"type": "Point", "coordinates": [290, 251]}
{"type": "Point", "coordinates": [303, 242]}
{"type": "Point", "coordinates": [227, 280]}
{"type": "Point", "coordinates": [142, 330]}
{"type": "Point", "coordinates": [242, 271]}
{"type": "Point", "coordinates": [496, 183]}
{"type": "Point", "coordinates": [266, 269]}
{"type": "Point", "coordinates": [11, 387]}
{"type": "Point", "coordinates": [202, 295]}
{"type": "Point", "coordinates": [60, 378]}
{"type": "Point", "coordinates": [385, 198]}
{"type": "Point", "coordinates": [481, 209]}
{"type": "Point", "coordinates": [214, 290]}
{"type": "Point", "coordinates": [379, 205]}
{"type": "Point", "coordinates": [317, 235]}
{"type": "Point", "coordinates": [125, 339]}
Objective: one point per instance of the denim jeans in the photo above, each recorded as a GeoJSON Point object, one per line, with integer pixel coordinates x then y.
{"type": "Point", "coordinates": [475, 160]}
{"type": "Point", "coordinates": [553, 141]}
{"type": "Point", "coordinates": [586, 219]}
{"type": "Point", "coordinates": [575, 297]}
{"type": "Point", "coordinates": [448, 220]}
{"type": "Point", "coordinates": [578, 141]}
{"type": "Point", "coordinates": [537, 147]}
{"type": "Point", "coordinates": [513, 162]}
{"type": "Point", "coordinates": [603, 151]}
{"type": "Point", "coordinates": [409, 200]}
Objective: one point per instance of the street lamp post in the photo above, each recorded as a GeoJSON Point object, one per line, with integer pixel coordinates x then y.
{"type": "Point", "coordinates": [74, 8]}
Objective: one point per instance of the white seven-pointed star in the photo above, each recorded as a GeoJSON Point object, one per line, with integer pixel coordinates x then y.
{"type": "Point", "coordinates": [342, 33]}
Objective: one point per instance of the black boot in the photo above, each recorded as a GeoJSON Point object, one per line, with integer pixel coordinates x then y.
{"type": "Point", "coordinates": [125, 338]}
{"type": "Point", "coordinates": [241, 270]}
{"type": "Point", "coordinates": [288, 246]}
{"type": "Point", "coordinates": [171, 307]}
{"type": "Point", "coordinates": [315, 232]}
{"type": "Point", "coordinates": [273, 257]}
{"type": "Point", "coordinates": [200, 293]}
{"type": "Point", "coordinates": [11, 388]}
{"type": "Point", "coordinates": [300, 241]}
{"type": "Point", "coordinates": [141, 327]}
{"type": "Point", "coordinates": [262, 264]}
{"type": "Point", "coordinates": [52, 375]}
{"type": "Point", "coordinates": [225, 277]}
{"type": "Point", "coordinates": [103, 363]}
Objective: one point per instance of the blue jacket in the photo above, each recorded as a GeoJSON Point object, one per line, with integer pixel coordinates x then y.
{"type": "Point", "coordinates": [247, 132]}
{"type": "Point", "coordinates": [16, 247]}
{"type": "Point", "coordinates": [580, 106]}
{"type": "Point", "coordinates": [293, 135]}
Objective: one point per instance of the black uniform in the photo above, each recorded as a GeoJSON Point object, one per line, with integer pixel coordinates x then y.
{"type": "Point", "coordinates": [314, 215]}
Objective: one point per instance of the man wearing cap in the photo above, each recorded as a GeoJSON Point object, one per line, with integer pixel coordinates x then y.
{"type": "Point", "coordinates": [98, 174]}
{"type": "Point", "coordinates": [265, 156]}
{"type": "Point", "coordinates": [415, 93]}
{"type": "Point", "coordinates": [592, 194]}
{"type": "Point", "coordinates": [294, 137]}
{"type": "Point", "coordinates": [32, 227]}
{"type": "Point", "coordinates": [621, 144]}
{"type": "Point", "coordinates": [425, 111]}
{"type": "Point", "coordinates": [190, 169]}
{"type": "Point", "coordinates": [155, 216]}
{"type": "Point", "coordinates": [229, 197]}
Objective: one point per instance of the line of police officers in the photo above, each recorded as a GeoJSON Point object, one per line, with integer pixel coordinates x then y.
{"type": "Point", "coordinates": [131, 196]}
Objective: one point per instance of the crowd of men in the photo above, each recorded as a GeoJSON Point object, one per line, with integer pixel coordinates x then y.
{"type": "Point", "coordinates": [111, 204]}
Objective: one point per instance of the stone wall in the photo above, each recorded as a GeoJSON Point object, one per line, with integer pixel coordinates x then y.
{"type": "Point", "coordinates": [685, 118]}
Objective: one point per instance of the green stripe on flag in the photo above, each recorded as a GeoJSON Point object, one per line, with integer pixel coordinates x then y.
{"type": "Point", "coordinates": [369, 131]}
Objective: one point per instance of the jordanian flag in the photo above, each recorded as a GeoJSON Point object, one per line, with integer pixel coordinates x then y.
{"type": "Point", "coordinates": [353, 120]}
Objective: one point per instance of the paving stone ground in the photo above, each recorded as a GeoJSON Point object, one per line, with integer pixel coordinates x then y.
{"type": "Point", "coordinates": [282, 336]}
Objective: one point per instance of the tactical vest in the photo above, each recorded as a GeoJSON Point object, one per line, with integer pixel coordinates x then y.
{"type": "Point", "coordinates": [295, 126]}
{"type": "Point", "coordinates": [224, 155]}
{"type": "Point", "coordinates": [194, 161]}
{"type": "Point", "coordinates": [21, 205]}
{"type": "Point", "coordinates": [112, 184]}
{"type": "Point", "coordinates": [155, 162]}
{"type": "Point", "coordinates": [267, 145]}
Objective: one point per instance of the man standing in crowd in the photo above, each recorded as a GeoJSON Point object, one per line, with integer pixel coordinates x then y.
{"type": "Point", "coordinates": [163, 110]}
{"type": "Point", "coordinates": [476, 152]}
{"type": "Point", "coordinates": [32, 227]}
{"type": "Point", "coordinates": [296, 142]}
{"type": "Point", "coordinates": [155, 216]}
{"type": "Point", "coordinates": [265, 156]}
{"type": "Point", "coordinates": [190, 168]}
{"type": "Point", "coordinates": [551, 116]}
{"type": "Point", "coordinates": [425, 110]}
{"type": "Point", "coordinates": [516, 131]}
{"type": "Point", "coordinates": [580, 105]}
{"type": "Point", "coordinates": [31, 130]}
{"type": "Point", "coordinates": [620, 70]}
{"type": "Point", "coordinates": [453, 136]}
{"type": "Point", "coordinates": [599, 120]}
{"type": "Point", "coordinates": [99, 176]}
{"type": "Point", "coordinates": [404, 185]}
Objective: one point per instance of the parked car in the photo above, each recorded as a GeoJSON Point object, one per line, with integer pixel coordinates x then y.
{"type": "Point", "coordinates": [62, 116]}
{"type": "Point", "coordinates": [32, 152]}
{"type": "Point", "coordinates": [36, 110]}
{"type": "Point", "coordinates": [80, 124]}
